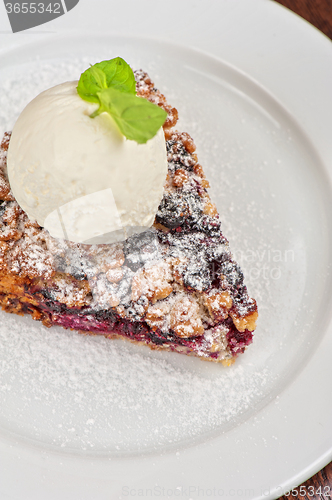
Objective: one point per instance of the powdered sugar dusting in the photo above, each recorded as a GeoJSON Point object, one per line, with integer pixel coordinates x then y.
{"type": "Point", "coordinates": [56, 383]}
{"type": "Point", "coordinates": [22, 84]}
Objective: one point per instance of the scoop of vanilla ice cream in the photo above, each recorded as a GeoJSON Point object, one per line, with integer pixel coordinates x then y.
{"type": "Point", "coordinates": [79, 177]}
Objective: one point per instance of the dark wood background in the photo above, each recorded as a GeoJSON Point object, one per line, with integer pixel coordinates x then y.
{"type": "Point", "coordinates": [318, 13]}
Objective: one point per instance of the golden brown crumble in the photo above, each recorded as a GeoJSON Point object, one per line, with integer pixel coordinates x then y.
{"type": "Point", "coordinates": [185, 318]}
{"type": "Point", "coordinates": [5, 192]}
{"type": "Point", "coordinates": [153, 282]}
{"type": "Point", "coordinates": [180, 178]}
{"type": "Point", "coordinates": [210, 209]}
{"type": "Point", "coordinates": [114, 275]}
{"type": "Point", "coordinates": [145, 88]}
{"type": "Point", "coordinates": [218, 304]}
{"type": "Point", "coordinates": [247, 322]}
{"type": "Point", "coordinates": [156, 314]}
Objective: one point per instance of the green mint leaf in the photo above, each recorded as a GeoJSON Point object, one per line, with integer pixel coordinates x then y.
{"type": "Point", "coordinates": [111, 84]}
{"type": "Point", "coordinates": [137, 118]}
{"type": "Point", "coordinates": [93, 80]}
{"type": "Point", "coordinates": [115, 73]}
{"type": "Point", "coordinates": [119, 75]}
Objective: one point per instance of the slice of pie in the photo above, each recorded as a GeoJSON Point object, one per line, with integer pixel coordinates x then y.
{"type": "Point", "coordinates": [174, 287]}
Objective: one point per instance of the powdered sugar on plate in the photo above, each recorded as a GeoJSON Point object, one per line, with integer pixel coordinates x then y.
{"type": "Point", "coordinates": [19, 87]}
{"type": "Point", "coordinates": [75, 392]}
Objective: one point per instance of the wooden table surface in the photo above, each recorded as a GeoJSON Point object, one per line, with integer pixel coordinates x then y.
{"type": "Point", "coordinates": [318, 13]}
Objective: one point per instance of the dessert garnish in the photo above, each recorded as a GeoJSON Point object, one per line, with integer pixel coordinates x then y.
{"type": "Point", "coordinates": [112, 85]}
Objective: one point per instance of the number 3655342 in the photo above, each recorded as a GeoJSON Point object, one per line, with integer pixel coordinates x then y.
{"type": "Point", "coordinates": [33, 8]}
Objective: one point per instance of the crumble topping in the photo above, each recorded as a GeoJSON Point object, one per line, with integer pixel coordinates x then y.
{"type": "Point", "coordinates": [185, 319]}
{"type": "Point", "coordinates": [152, 282]}
{"type": "Point", "coordinates": [146, 88]}
{"type": "Point", "coordinates": [5, 192]}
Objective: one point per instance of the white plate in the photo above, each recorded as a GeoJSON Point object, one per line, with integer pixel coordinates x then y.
{"type": "Point", "coordinates": [87, 418]}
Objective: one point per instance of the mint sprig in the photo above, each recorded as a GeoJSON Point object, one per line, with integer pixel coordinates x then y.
{"type": "Point", "coordinates": [112, 85]}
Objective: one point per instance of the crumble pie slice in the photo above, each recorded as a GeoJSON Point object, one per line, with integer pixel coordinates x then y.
{"type": "Point", "coordinates": [174, 287]}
